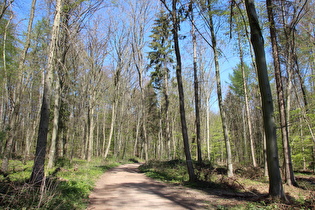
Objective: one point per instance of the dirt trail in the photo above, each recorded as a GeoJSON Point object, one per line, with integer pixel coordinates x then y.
{"type": "Point", "coordinates": [124, 187]}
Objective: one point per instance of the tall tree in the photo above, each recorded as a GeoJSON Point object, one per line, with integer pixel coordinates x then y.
{"type": "Point", "coordinates": [175, 28]}
{"type": "Point", "coordinates": [219, 91]}
{"type": "Point", "coordinates": [248, 114]}
{"type": "Point", "coordinates": [38, 172]}
{"type": "Point", "coordinates": [161, 60]}
{"type": "Point", "coordinates": [289, 174]}
{"type": "Point", "coordinates": [196, 84]}
{"type": "Point", "coordinates": [139, 18]}
{"type": "Point", "coordinates": [257, 40]}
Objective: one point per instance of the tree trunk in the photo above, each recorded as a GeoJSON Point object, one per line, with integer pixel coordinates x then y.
{"type": "Point", "coordinates": [196, 89]}
{"type": "Point", "coordinates": [54, 135]}
{"type": "Point", "coordinates": [289, 174]}
{"type": "Point", "coordinates": [176, 23]}
{"type": "Point", "coordinates": [38, 172]}
{"type": "Point", "coordinates": [104, 132]}
{"type": "Point", "coordinates": [166, 112]}
{"type": "Point", "coordinates": [135, 148]}
{"type": "Point", "coordinates": [208, 127]}
{"type": "Point", "coordinates": [91, 126]}
{"type": "Point", "coordinates": [265, 157]}
{"type": "Point", "coordinates": [219, 93]}
{"type": "Point", "coordinates": [14, 112]}
{"type": "Point", "coordinates": [112, 124]}
{"type": "Point", "coordinates": [144, 118]}
{"type": "Point", "coordinates": [248, 115]}
{"type": "Point", "coordinates": [275, 183]}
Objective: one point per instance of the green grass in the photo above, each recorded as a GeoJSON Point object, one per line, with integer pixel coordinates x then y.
{"type": "Point", "coordinates": [175, 171]}
{"type": "Point", "coordinates": [68, 185]}
{"type": "Point", "coordinates": [171, 171]}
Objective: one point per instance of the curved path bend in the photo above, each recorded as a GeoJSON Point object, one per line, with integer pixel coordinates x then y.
{"type": "Point", "coordinates": [124, 187]}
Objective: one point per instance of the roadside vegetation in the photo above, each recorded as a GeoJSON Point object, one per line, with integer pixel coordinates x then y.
{"type": "Point", "coordinates": [248, 184]}
{"type": "Point", "coordinates": [67, 186]}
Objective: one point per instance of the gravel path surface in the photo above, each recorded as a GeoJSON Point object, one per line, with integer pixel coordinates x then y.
{"type": "Point", "coordinates": [124, 187]}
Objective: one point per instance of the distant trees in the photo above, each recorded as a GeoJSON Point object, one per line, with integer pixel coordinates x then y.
{"type": "Point", "coordinates": [10, 95]}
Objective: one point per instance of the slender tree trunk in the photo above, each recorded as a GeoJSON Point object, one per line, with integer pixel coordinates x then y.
{"type": "Point", "coordinates": [14, 112]}
{"type": "Point", "coordinates": [176, 23]}
{"type": "Point", "coordinates": [275, 182]}
{"type": "Point", "coordinates": [97, 146]}
{"type": "Point", "coordinates": [137, 57]}
{"type": "Point", "coordinates": [111, 132]}
{"type": "Point", "coordinates": [135, 148]}
{"type": "Point", "coordinates": [159, 146]}
{"type": "Point", "coordinates": [144, 118]}
{"type": "Point", "coordinates": [166, 111]}
{"type": "Point", "coordinates": [38, 172]}
{"type": "Point", "coordinates": [219, 93]}
{"type": "Point", "coordinates": [196, 88]}
{"type": "Point", "coordinates": [289, 174]}
{"type": "Point", "coordinates": [104, 132]}
{"type": "Point", "coordinates": [90, 151]}
{"type": "Point", "coordinates": [248, 115]}
{"type": "Point", "coordinates": [244, 158]}
{"type": "Point", "coordinates": [208, 127]}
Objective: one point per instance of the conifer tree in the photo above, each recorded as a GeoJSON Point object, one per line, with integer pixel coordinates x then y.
{"type": "Point", "coordinates": [161, 59]}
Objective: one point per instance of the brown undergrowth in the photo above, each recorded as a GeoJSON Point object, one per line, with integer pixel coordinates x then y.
{"type": "Point", "coordinates": [248, 184]}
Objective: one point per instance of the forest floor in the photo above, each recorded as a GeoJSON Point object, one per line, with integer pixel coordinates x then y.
{"type": "Point", "coordinates": [124, 187]}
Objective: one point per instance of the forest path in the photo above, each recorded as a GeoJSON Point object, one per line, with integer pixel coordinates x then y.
{"type": "Point", "coordinates": [124, 187]}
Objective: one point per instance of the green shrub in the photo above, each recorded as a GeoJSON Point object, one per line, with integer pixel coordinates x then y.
{"type": "Point", "coordinates": [65, 188]}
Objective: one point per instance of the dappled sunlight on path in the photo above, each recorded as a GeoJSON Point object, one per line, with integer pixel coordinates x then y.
{"type": "Point", "coordinates": [125, 188]}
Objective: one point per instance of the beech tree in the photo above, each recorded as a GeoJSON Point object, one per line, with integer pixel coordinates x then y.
{"type": "Point", "coordinates": [257, 40]}
{"type": "Point", "coordinates": [289, 174]}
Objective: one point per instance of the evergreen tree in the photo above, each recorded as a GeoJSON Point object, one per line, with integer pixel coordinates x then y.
{"type": "Point", "coordinates": [161, 45]}
{"type": "Point", "coordinates": [161, 59]}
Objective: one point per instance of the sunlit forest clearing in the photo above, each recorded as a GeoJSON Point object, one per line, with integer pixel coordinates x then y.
{"type": "Point", "coordinates": [214, 96]}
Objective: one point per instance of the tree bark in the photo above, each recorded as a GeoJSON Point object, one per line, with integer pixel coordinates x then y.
{"type": "Point", "coordinates": [112, 124]}
{"type": "Point", "coordinates": [54, 135]}
{"type": "Point", "coordinates": [175, 18]}
{"type": "Point", "coordinates": [219, 93]}
{"type": "Point", "coordinates": [14, 112]}
{"type": "Point", "coordinates": [38, 172]}
{"type": "Point", "coordinates": [289, 174]}
{"type": "Point", "coordinates": [248, 115]}
{"type": "Point", "coordinates": [196, 88]}
{"type": "Point", "coordinates": [90, 150]}
{"type": "Point", "coordinates": [275, 182]}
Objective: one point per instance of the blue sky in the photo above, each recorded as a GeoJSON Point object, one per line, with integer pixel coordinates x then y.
{"type": "Point", "coordinates": [227, 61]}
